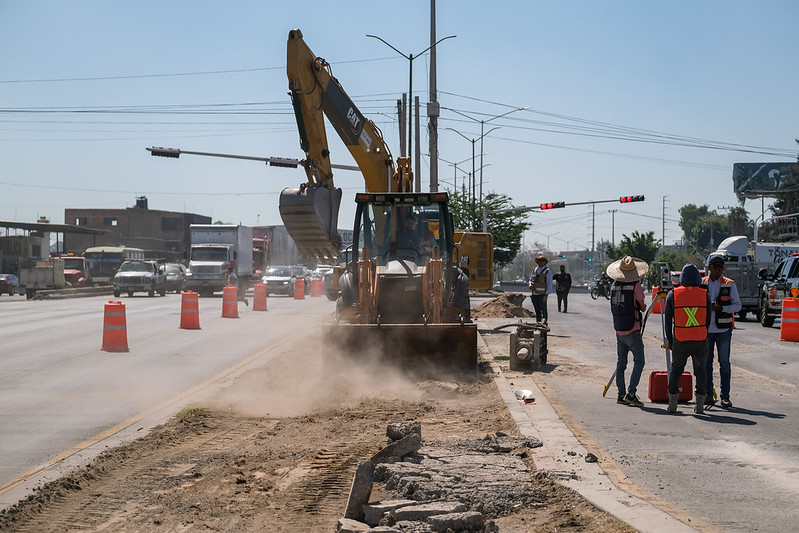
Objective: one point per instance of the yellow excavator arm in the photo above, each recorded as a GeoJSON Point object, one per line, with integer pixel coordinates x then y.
{"type": "Point", "coordinates": [310, 213]}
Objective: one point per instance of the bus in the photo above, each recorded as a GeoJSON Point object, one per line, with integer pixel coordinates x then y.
{"type": "Point", "coordinates": [105, 260]}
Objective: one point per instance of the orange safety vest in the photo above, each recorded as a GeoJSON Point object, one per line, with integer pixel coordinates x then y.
{"type": "Point", "coordinates": [723, 320]}
{"type": "Point", "coordinates": [690, 313]}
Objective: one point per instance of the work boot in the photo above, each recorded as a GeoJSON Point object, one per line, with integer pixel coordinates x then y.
{"type": "Point", "coordinates": [672, 403]}
{"type": "Point", "coordinates": [699, 407]}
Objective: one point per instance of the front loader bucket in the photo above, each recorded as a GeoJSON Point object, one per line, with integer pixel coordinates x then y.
{"type": "Point", "coordinates": [311, 218]}
{"type": "Point", "coordinates": [438, 351]}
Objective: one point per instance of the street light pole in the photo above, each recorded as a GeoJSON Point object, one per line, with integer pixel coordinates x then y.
{"type": "Point", "coordinates": [410, 58]}
{"type": "Point", "coordinates": [482, 126]}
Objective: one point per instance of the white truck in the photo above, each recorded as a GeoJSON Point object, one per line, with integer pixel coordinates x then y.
{"type": "Point", "coordinates": [749, 264]}
{"type": "Point", "coordinates": [41, 274]}
{"type": "Point", "coordinates": [214, 248]}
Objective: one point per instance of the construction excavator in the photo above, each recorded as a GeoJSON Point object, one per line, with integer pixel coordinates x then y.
{"type": "Point", "coordinates": [404, 296]}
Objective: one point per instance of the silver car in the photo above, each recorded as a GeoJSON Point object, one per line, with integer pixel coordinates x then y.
{"type": "Point", "coordinates": [279, 280]}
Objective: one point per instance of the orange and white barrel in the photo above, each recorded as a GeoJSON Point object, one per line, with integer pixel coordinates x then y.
{"type": "Point", "coordinates": [190, 310]}
{"type": "Point", "coordinates": [299, 289]}
{"type": "Point", "coordinates": [230, 304]}
{"type": "Point", "coordinates": [789, 323]}
{"type": "Point", "coordinates": [259, 297]}
{"type": "Point", "coordinates": [115, 329]}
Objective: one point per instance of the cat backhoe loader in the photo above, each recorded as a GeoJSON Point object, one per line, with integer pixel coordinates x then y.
{"type": "Point", "coordinates": [404, 300]}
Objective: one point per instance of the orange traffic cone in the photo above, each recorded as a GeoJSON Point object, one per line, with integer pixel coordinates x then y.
{"type": "Point", "coordinates": [190, 310]}
{"type": "Point", "coordinates": [259, 297]}
{"type": "Point", "coordinates": [299, 289]}
{"type": "Point", "coordinates": [230, 306]}
{"type": "Point", "coordinates": [115, 332]}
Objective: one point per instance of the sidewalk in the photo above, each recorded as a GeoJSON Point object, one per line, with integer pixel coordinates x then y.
{"type": "Point", "coordinates": [564, 456]}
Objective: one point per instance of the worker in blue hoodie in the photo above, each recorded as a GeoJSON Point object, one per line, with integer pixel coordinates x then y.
{"type": "Point", "coordinates": [687, 316]}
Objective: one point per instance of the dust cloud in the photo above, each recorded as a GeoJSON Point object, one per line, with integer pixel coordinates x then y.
{"type": "Point", "coordinates": [309, 376]}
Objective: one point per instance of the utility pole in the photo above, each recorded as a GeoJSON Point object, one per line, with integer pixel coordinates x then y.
{"type": "Point", "coordinates": [433, 107]}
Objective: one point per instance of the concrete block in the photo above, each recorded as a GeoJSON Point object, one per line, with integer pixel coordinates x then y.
{"type": "Point", "coordinates": [399, 449]}
{"type": "Point", "coordinates": [399, 431]}
{"type": "Point", "coordinates": [468, 521]}
{"type": "Point", "coordinates": [374, 512]}
{"type": "Point", "coordinates": [421, 512]}
{"type": "Point", "coordinates": [347, 525]}
{"type": "Point", "coordinates": [361, 490]}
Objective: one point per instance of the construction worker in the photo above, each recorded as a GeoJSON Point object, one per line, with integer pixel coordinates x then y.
{"type": "Point", "coordinates": [725, 302]}
{"type": "Point", "coordinates": [627, 303]}
{"type": "Point", "coordinates": [540, 284]}
{"type": "Point", "coordinates": [233, 281]}
{"type": "Point", "coordinates": [563, 282]}
{"type": "Point", "coordinates": [687, 316]}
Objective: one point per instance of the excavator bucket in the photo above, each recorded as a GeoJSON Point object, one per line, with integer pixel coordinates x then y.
{"type": "Point", "coordinates": [310, 215]}
{"type": "Point", "coordinates": [432, 351]}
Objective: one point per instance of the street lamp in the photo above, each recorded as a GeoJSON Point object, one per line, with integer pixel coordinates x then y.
{"type": "Point", "coordinates": [474, 170]}
{"type": "Point", "coordinates": [456, 171]}
{"type": "Point", "coordinates": [410, 59]}
{"type": "Point", "coordinates": [482, 126]}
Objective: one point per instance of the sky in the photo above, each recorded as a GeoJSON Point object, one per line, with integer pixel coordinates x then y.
{"type": "Point", "coordinates": [611, 98]}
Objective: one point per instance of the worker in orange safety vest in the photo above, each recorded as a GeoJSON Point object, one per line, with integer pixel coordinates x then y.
{"type": "Point", "coordinates": [687, 316]}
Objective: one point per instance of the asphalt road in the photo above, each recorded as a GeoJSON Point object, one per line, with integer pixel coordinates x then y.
{"type": "Point", "coordinates": [58, 388]}
{"type": "Point", "coordinates": [736, 469]}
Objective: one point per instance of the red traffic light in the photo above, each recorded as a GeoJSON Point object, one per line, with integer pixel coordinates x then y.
{"type": "Point", "coordinates": [553, 205]}
{"type": "Point", "coordinates": [628, 199]}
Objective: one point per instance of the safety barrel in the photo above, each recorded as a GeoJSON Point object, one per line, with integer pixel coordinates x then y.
{"type": "Point", "coordinates": [115, 330]}
{"type": "Point", "coordinates": [230, 305]}
{"type": "Point", "coordinates": [190, 310]}
{"type": "Point", "coordinates": [789, 324]}
{"type": "Point", "coordinates": [299, 289]}
{"type": "Point", "coordinates": [656, 302]}
{"type": "Point", "coordinates": [259, 297]}
{"type": "Point", "coordinates": [316, 287]}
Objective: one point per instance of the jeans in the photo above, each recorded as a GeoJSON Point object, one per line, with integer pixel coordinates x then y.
{"type": "Point", "coordinates": [563, 298]}
{"type": "Point", "coordinates": [722, 343]}
{"type": "Point", "coordinates": [624, 344]}
{"type": "Point", "coordinates": [540, 306]}
{"type": "Point", "coordinates": [680, 352]}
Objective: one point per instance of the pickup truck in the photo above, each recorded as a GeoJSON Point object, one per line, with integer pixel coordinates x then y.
{"type": "Point", "coordinates": [140, 275]}
{"type": "Point", "coordinates": [776, 287]}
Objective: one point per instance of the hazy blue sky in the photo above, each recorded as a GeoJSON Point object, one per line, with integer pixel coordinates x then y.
{"type": "Point", "coordinates": [624, 98]}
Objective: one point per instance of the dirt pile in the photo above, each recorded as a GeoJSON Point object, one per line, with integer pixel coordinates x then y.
{"type": "Point", "coordinates": [508, 305]}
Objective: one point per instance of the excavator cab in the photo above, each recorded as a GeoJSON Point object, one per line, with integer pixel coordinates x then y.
{"type": "Point", "coordinates": [402, 296]}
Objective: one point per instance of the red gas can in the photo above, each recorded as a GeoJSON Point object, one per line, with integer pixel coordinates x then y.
{"type": "Point", "coordinates": [659, 387]}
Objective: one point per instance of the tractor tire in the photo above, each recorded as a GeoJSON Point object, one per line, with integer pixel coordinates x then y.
{"type": "Point", "coordinates": [765, 320]}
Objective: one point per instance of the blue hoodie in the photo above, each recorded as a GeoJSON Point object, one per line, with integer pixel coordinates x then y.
{"type": "Point", "coordinates": [689, 277]}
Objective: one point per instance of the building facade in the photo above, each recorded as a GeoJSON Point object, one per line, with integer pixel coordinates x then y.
{"type": "Point", "coordinates": [137, 227]}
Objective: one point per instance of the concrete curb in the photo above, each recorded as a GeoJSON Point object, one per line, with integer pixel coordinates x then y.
{"type": "Point", "coordinates": [563, 457]}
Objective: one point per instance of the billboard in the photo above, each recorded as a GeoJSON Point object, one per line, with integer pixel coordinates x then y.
{"type": "Point", "coordinates": [753, 180]}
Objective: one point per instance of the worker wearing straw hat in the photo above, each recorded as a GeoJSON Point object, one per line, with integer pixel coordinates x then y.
{"type": "Point", "coordinates": [541, 285]}
{"type": "Point", "coordinates": [627, 303]}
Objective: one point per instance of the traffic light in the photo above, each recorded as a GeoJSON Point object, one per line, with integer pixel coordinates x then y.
{"type": "Point", "coordinates": [628, 199]}
{"type": "Point", "coordinates": [160, 151]}
{"type": "Point", "coordinates": [553, 205]}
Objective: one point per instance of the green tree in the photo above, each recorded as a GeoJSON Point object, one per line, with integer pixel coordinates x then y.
{"type": "Point", "coordinates": [701, 226]}
{"type": "Point", "coordinates": [641, 245]}
{"type": "Point", "coordinates": [506, 228]}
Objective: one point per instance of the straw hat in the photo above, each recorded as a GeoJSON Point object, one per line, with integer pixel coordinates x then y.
{"type": "Point", "coordinates": [541, 259]}
{"type": "Point", "coordinates": [627, 269]}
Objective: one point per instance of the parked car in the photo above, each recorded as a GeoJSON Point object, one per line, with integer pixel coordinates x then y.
{"type": "Point", "coordinates": [9, 284]}
{"type": "Point", "coordinates": [140, 275]}
{"type": "Point", "coordinates": [776, 287]}
{"type": "Point", "coordinates": [279, 280]}
{"type": "Point", "coordinates": [175, 277]}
